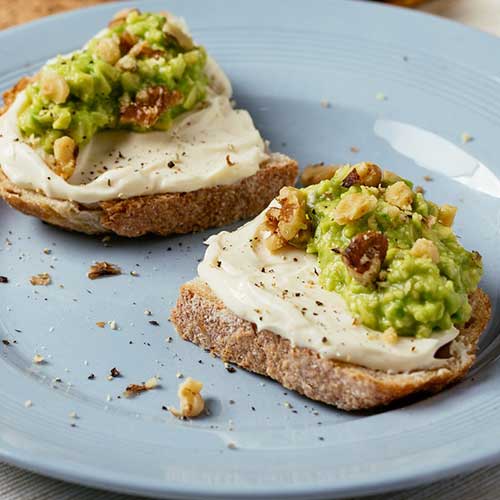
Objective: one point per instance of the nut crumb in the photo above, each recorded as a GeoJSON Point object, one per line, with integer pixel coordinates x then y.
{"type": "Point", "coordinates": [113, 325]}
{"type": "Point", "coordinates": [179, 375]}
{"type": "Point", "coordinates": [38, 359]}
{"type": "Point", "coordinates": [134, 389]}
{"type": "Point", "coordinates": [354, 149]}
{"type": "Point", "coordinates": [102, 268]}
{"type": "Point", "coordinates": [428, 178]}
{"type": "Point", "coordinates": [101, 324]}
{"type": "Point", "coordinates": [147, 312]}
{"type": "Point", "coordinates": [231, 445]}
{"type": "Point", "coordinates": [47, 251]}
{"type": "Point", "coordinates": [28, 403]}
{"type": "Point", "coordinates": [466, 138]}
{"type": "Point", "coordinates": [42, 279]}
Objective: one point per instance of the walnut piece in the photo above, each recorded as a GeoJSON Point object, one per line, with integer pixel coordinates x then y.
{"type": "Point", "coordinates": [149, 104]}
{"type": "Point", "coordinates": [363, 174]}
{"type": "Point", "coordinates": [365, 255]}
{"type": "Point", "coordinates": [425, 248]}
{"type": "Point", "coordinates": [53, 86]}
{"type": "Point", "coordinates": [447, 214]}
{"type": "Point", "coordinates": [42, 279]}
{"type": "Point", "coordinates": [399, 195]}
{"type": "Point", "coordinates": [313, 174]}
{"type": "Point", "coordinates": [289, 223]}
{"type": "Point", "coordinates": [65, 151]}
{"type": "Point", "coordinates": [103, 269]}
{"type": "Point", "coordinates": [127, 41]}
{"type": "Point", "coordinates": [108, 50]}
{"type": "Point", "coordinates": [353, 206]}
{"type": "Point", "coordinates": [191, 401]}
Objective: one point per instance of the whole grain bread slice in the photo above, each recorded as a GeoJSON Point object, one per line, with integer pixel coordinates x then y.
{"type": "Point", "coordinates": [203, 319]}
{"type": "Point", "coordinates": [161, 214]}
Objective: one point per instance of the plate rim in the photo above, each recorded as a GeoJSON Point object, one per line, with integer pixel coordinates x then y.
{"type": "Point", "coordinates": [88, 476]}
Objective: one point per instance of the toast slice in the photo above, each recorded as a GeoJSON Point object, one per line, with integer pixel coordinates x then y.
{"type": "Point", "coordinates": [200, 317]}
{"type": "Point", "coordinates": [162, 214]}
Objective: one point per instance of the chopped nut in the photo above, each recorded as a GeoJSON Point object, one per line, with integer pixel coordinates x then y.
{"type": "Point", "coordinates": [390, 335]}
{"type": "Point", "coordinates": [102, 269]}
{"type": "Point", "coordinates": [134, 389]}
{"type": "Point", "coordinates": [127, 63]}
{"type": "Point", "coordinates": [28, 403]}
{"type": "Point", "coordinates": [425, 248]}
{"type": "Point", "coordinates": [108, 50]}
{"type": "Point", "coordinates": [447, 214]}
{"type": "Point", "coordinates": [53, 86]}
{"type": "Point", "coordinates": [288, 224]}
{"type": "Point", "coordinates": [65, 156]}
{"type": "Point", "coordinates": [191, 401]}
{"type": "Point", "coordinates": [365, 255]}
{"type": "Point", "coordinates": [353, 206]}
{"type": "Point", "coordinates": [363, 174]}
{"type": "Point", "coordinates": [127, 41]}
{"type": "Point", "coordinates": [38, 359]}
{"type": "Point", "coordinates": [428, 178]}
{"type": "Point", "coordinates": [149, 104]}
{"type": "Point", "coordinates": [42, 279]}
{"type": "Point", "coordinates": [399, 195]}
{"type": "Point", "coordinates": [101, 324]}
{"type": "Point", "coordinates": [113, 325]}
{"type": "Point", "coordinates": [313, 174]}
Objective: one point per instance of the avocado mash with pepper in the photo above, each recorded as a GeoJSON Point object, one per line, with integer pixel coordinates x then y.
{"type": "Point", "coordinates": [390, 253]}
{"type": "Point", "coordinates": [140, 73]}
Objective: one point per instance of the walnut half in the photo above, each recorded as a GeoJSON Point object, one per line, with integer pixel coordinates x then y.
{"type": "Point", "coordinates": [289, 223]}
{"type": "Point", "coordinates": [148, 106]}
{"type": "Point", "coordinates": [365, 255]}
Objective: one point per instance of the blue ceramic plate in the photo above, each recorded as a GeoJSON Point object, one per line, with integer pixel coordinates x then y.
{"type": "Point", "coordinates": [402, 88]}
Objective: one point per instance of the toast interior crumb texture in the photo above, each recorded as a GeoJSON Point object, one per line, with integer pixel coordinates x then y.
{"type": "Point", "coordinates": [203, 319]}
{"type": "Point", "coordinates": [161, 214]}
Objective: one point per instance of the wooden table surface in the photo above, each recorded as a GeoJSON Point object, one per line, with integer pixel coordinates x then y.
{"type": "Point", "coordinates": [482, 485]}
{"type": "Point", "coordinates": [483, 14]}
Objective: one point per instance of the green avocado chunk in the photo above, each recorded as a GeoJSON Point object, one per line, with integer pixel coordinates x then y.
{"type": "Point", "coordinates": [390, 253]}
{"type": "Point", "coordinates": [140, 73]}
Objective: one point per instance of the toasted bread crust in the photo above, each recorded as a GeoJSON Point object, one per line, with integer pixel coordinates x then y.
{"type": "Point", "coordinates": [203, 319]}
{"type": "Point", "coordinates": [161, 214]}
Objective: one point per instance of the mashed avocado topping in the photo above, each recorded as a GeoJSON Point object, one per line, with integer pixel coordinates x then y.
{"type": "Point", "coordinates": [140, 73]}
{"type": "Point", "coordinates": [391, 254]}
